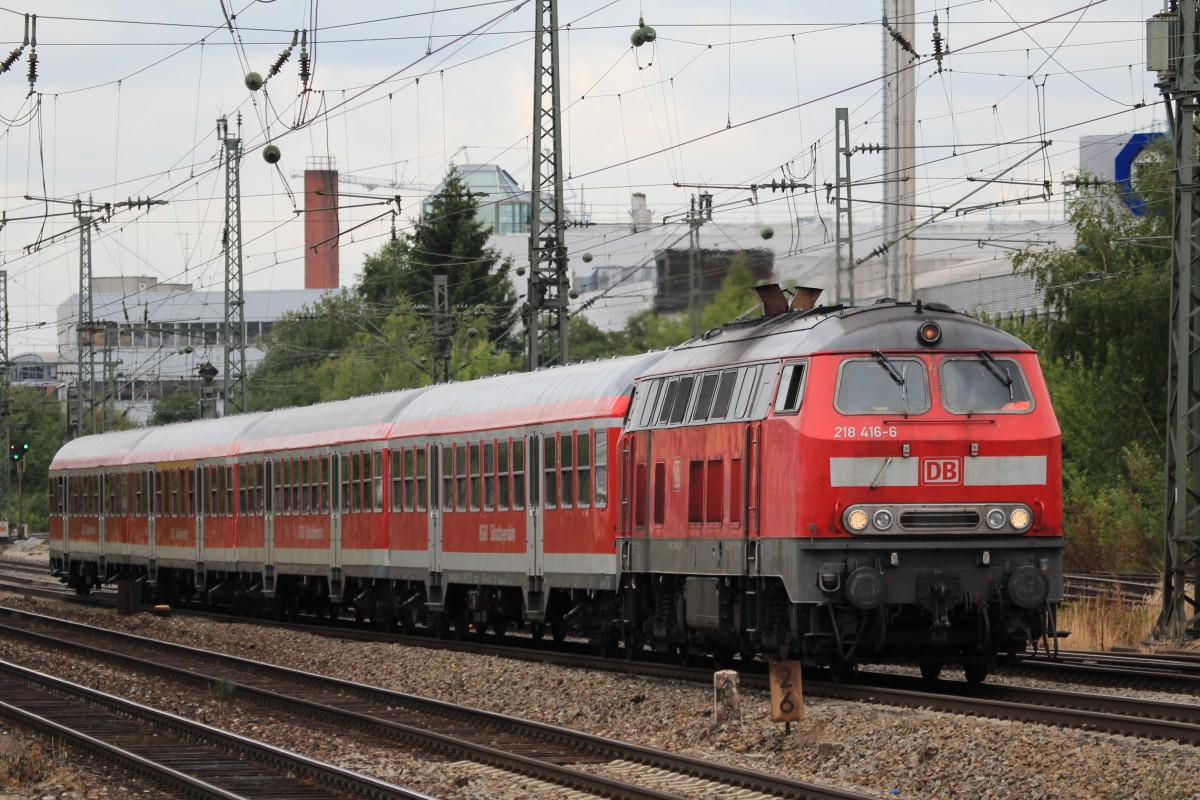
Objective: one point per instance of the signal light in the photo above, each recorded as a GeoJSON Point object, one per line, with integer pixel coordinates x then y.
{"type": "Point", "coordinates": [16, 452]}
{"type": "Point", "coordinates": [930, 333]}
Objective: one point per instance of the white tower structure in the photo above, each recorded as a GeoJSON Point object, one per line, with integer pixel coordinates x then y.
{"type": "Point", "coordinates": [899, 140]}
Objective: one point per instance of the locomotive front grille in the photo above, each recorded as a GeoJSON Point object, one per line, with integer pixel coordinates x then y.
{"type": "Point", "coordinates": [940, 520]}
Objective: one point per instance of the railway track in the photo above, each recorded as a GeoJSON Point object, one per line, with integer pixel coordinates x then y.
{"type": "Point", "coordinates": [545, 752]}
{"type": "Point", "coordinates": [1126, 716]}
{"type": "Point", "coordinates": [187, 757]}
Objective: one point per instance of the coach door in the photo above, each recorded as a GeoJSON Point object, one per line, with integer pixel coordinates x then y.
{"type": "Point", "coordinates": [535, 520]}
{"type": "Point", "coordinates": [434, 467]}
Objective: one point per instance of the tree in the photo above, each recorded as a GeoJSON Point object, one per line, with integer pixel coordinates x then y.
{"type": "Point", "coordinates": [1104, 354]}
{"type": "Point", "coordinates": [37, 419]}
{"type": "Point", "coordinates": [299, 343]}
{"type": "Point", "coordinates": [175, 408]}
{"type": "Point", "coordinates": [449, 240]}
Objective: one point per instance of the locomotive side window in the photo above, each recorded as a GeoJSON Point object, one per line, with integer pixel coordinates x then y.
{"type": "Point", "coordinates": [668, 401]}
{"type": "Point", "coordinates": [682, 394]}
{"type": "Point", "coordinates": [720, 406]}
{"type": "Point", "coordinates": [502, 471]}
{"type": "Point", "coordinates": [583, 469]}
{"type": "Point", "coordinates": [788, 399]}
{"type": "Point", "coordinates": [601, 470]}
{"type": "Point", "coordinates": [708, 388]}
{"type": "Point", "coordinates": [745, 392]}
{"type": "Point", "coordinates": [646, 397]}
{"type": "Point", "coordinates": [882, 385]}
{"type": "Point", "coordinates": [984, 385]}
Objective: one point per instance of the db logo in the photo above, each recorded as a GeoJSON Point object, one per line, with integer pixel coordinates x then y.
{"type": "Point", "coordinates": [941, 470]}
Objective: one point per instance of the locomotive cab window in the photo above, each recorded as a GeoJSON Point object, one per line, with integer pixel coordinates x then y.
{"type": "Point", "coordinates": [984, 385]}
{"type": "Point", "coordinates": [882, 385]}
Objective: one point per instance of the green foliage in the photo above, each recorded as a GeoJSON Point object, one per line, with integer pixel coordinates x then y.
{"type": "Point", "coordinates": [176, 408]}
{"type": "Point", "coordinates": [36, 418]}
{"type": "Point", "coordinates": [1104, 355]}
{"type": "Point", "coordinates": [299, 344]}
{"type": "Point", "coordinates": [449, 240]}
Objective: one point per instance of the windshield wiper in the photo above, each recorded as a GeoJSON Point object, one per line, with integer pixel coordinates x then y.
{"type": "Point", "coordinates": [891, 370]}
{"type": "Point", "coordinates": [1000, 373]}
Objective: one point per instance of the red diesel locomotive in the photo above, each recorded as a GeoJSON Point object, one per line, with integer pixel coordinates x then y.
{"type": "Point", "coordinates": [843, 485]}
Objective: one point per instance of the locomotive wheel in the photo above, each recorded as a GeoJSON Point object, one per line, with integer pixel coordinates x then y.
{"type": "Point", "coordinates": [537, 630]}
{"type": "Point", "coordinates": [976, 672]}
{"type": "Point", "coordinates": [500, 626]}
{"type": "Point", "coordinates": [931, 670]}
{"type": "Point", "coordinates": [843, 673]}
{"type": "Point", "coordinates": [462, 625]}
{"type": "Point", "coordinates": [558, 629]}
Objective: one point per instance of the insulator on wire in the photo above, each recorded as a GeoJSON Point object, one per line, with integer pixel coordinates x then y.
{"type": "Point", "coordinates": [304, 71]}
{"type": "Point", "coordinates": [938, 52]}
{"type": "Point", "coordinates": [284, 56]}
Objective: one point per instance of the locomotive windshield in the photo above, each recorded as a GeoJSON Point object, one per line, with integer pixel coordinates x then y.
{"type": "Point", "coordinates": [983, 385]}
{"type": "Point", "coordinates": [881, 385]}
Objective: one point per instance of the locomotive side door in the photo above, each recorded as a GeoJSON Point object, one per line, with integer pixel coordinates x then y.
{"type": "Point", "coordinates": [434, 473]}
{"type": "Point", "coordinates": [535, 521]}
{"type": "Point", "coordinates": [635, 494]}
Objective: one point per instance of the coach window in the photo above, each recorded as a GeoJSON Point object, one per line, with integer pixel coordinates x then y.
{"type": "Point", "coordinates": [305, 487]}
{"type": "Point", "coordinates": [583, 467]}
{"type": "Point", "coordinates": [356, 481]}
{"type": "Point", "coordinates": [189, 480]}
{"type": "Point", "coordinates": [518, 474]}
{"type": "Point", "coordinates": [448, 478]}
{"type": "Point", "coordinates": [601, 470]}
{"type": "Point", "coordinates": [377, 479]}
{"type": "Point", "coordinates": [409, 492]}
{"type": "Point", "coordinates": [110, 503]}
{"type": "Point", "coordinates": [984, 386]}
{"type": "Point", "coordinates": [475, 476]}
{"type": "Point", "coordinates": [344, 480]}
{"type": "Point", "coordinates": [297, 485]}
{"type": "Point", "coordinates": [400, 459]}
{"type": "Point", "coordinates": [314, 478]}
{"type": "Point", "coordinates": [788, 399]}
{"type": "Point", "coordinates": [421, 470]}
{"type": "Point", "coordinates": [489, 476]}
{"type": "Point", "coordinates": [159, 483]}
{"type": "Point", "coordinates": [882, 385]}
{"type": "Point", "coordinates": [566, 459]}
{"type": "Point", "coordinates": [460, 477]}
{"type": "Point", "coordinates": [550, 464]}
{"type": "Point", "coordinates": [502, 474]}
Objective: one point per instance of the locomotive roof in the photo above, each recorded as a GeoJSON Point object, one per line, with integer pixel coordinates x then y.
{"type": "Point", "coordinates": [886, 325]}
{"type": "Point", "coordinates": [576, 391]}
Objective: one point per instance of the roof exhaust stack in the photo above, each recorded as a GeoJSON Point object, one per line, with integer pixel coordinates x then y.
{"type": "Point", "coordinates": [772, 298]}
{"type": "Point", "coordinates": [804, 298]}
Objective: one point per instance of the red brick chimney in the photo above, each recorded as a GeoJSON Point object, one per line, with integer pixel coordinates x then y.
{"type": "Point", "coordinates": [320, 224]}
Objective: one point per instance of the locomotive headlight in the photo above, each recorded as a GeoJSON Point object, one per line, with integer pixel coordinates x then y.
{"type": "Point", "coordinates": [1019, 519]}
{"type": "Point", "coordinates": [856, 520]}
{"type": "Point", "coordinates": [930, 333]}
{"type": "Point", "coordinates": [995, 519]}
{"type": "Point", "coordinates": [882, 519]}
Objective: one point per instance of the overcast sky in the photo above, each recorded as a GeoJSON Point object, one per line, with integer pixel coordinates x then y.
{"type": "Point", "coordinates": [128, 92]}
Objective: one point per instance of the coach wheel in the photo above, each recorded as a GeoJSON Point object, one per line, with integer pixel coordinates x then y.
{"type": "Point", "coordinates": [462, 625]}
{"type": "Point", "coordinates": [931, 670]}
{"type": "Point", "coordinates": [558, 629]}
{"type": "Point", "coordinates": [441, 626]}
{"type": "Point", "coordinates": [843, 672]}
{"type": "Point", "coordinates": [537, 630]}
{"type": "Point", "coordinates": [499, 625]}
{"type": "Point", "coordinates": [976, 672]}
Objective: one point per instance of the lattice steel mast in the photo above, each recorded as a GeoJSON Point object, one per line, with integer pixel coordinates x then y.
{"type": "Point", "coordinates": [1172, 51]}
{"type": "Point", "coordinates": [545, 310]}
{"type": "Point", "coordinates": [235, 311]}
